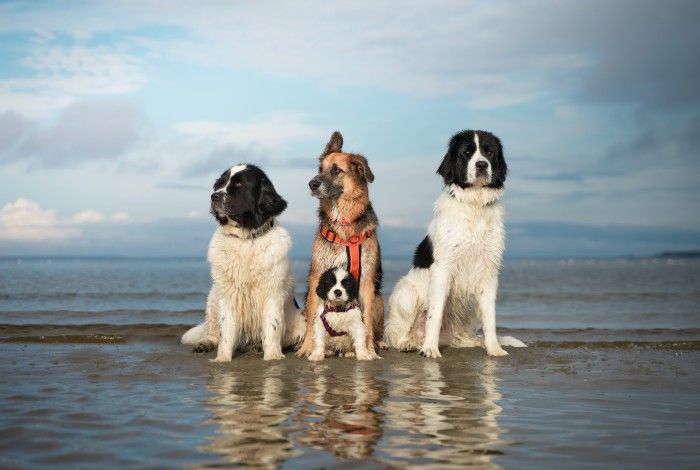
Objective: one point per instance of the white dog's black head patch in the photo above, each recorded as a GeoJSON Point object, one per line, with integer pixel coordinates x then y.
{"type": "Point", "coordinates": [474, 159]}
{"type": "Point", "coordinates": [244, 195]}
{"type": "Point", "coordinates": [337, 285]}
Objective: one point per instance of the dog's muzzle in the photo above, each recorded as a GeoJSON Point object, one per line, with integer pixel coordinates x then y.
{"type": "Point", "coordinates": [482, 168]}
{"type": "Point", "coordinates": [315, 183]}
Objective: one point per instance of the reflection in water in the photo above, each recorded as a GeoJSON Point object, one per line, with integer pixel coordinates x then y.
{"type": "Point", "coordinates": [443, 414]}
{"type": "Point", "coordinates": [412, 412]}
{"type": "Point", "coordinates": [250, 411]}
{"type": "Point", "coordinates": [340, 410]}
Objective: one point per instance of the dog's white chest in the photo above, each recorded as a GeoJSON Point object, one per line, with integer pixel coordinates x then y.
{"type": "Point", "coordinates": [472, 239]}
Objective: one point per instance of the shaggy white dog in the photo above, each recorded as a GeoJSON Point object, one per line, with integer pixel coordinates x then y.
{"type": "Point", "coordinates": [251, 302]}
{"type": "Point", "coordinates": [450, 293]}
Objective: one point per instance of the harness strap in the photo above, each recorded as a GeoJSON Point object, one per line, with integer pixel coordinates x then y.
{"type": "Point", "coordinates": [353, 248]}
{"type": "Point", "coordinates": [328, 309]}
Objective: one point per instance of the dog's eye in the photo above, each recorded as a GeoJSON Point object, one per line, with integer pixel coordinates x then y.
{"type": "Point", "coordinates": [238, 184]}
{"type": "Point", "coordinates": [335, 171]}
{"type": "Point", "coordinates": [487, 150]}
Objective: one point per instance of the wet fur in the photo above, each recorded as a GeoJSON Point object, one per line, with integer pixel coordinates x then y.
{"type": "Point", "coordinates": [450, 294]}
{"type": "Point", "coordinates": [251, 301]}
{"type": "Point", "coordinates": [354, 205]}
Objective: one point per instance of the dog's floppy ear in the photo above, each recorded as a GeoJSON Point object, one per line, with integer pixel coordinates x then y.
{"type": "Point", "coordinates": [350, 286]}
{"type": "Point", "coordinates": [499, 166]}
{"type": "Point", "coordinates": [270, 204]}
{"type": "Point", "coordinates": [446, 169]}
{"type": "Point", "coordinates": [334, 145]}
{"type": "Point", "coordinates": [360, 167]}
{"type": "Point", "coordinates": [325, 283]}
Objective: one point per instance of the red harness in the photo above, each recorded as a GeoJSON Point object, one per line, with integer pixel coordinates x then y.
{"type": "Point", "coordinates": [353, 247]}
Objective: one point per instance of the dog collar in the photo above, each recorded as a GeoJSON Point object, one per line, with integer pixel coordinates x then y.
{"type": "Point", "coordinates": [354, 240]}
{"type": "Point", "coordinates": [256, 233]}
{"type": "Point", "coordinates": [353, 247]}
{"type": "Point", "coordinates": [328, 309]}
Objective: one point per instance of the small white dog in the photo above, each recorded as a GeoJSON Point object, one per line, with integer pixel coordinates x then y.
{"type": "Point", "coordinates": [450, 293]}
{"type": "Point", "coordinates": [251, 301]}
{"type": "Point", "coordinates": [338, 324]}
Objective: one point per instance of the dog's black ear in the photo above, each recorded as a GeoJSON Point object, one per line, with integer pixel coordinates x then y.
{"type": "Point", "coordinates": [499, 167]}
{"type": "Point", "coordinates": [446, 168]}
{"type": "Point", "coordinates": [350, 286]}
{"type": "Point", "coordinates": [335, 144]}
{"type": "Point", "coordinates": [325, 283]}
{"type": "Point", "coordinates": [360, 167]}
{"type": "Point", "coordinates": [270, 204]}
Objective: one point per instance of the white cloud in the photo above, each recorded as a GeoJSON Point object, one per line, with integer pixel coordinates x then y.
{"type": "Point", "coordinates": [24, 220]}
{"type": "Point", "coordinates": [424, 47]}
{"type": "Point", "coordinates": [88, 216]}
{"type": "Point", "coordinates": [271, 131]}
{"type": "Point", "coordinates": [91, 216]}
{"type": "Point", "coordinates": [58, 77]}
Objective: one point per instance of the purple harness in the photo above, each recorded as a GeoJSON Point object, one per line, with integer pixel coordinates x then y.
{"type": "Point", "coordinates": [329, 309]}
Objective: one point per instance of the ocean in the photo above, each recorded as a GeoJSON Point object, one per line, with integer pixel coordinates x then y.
{"type": "Point", "coordinates": [93, 374]}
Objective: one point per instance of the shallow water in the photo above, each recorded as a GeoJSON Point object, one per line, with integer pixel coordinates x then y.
{"type": "Point", "coordinates": [150, 401]}
{"type": "Point", "coordinates": [94, 376]}
{"type": "Point", "coordinates": [543, 294]}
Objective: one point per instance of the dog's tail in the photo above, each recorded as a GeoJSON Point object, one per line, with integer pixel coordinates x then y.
{"type": "Point", "coordinates": [195, 335]}
{"type": "Point", "coordinates": [511, 341]}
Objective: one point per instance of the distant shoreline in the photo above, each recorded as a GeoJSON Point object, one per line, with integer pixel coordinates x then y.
{"type": "Point", "coordinates": [678, 254]}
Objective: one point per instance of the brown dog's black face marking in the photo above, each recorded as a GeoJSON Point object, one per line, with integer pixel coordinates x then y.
{"type": "Point", "coordinates": [329, 183]}
{"type": "Point", "coordinates": [339, 173]}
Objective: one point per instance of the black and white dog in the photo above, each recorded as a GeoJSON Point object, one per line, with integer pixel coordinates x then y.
{"type": "Point", "coordinates": [338, 324]}
{"type": "Point", "coordinates": [251, 301]}
{"type": "Point", "coordinates": [450, 293]}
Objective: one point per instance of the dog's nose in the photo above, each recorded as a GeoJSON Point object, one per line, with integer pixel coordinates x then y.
{"type": "Point", "coordinates": [217, 196]}
{"type": "Point", "coordinates": [481, 165]}
{"type": "Point", "coordinates": [314, 184]}
{"type": "Point", "coordinates": [338, 292]}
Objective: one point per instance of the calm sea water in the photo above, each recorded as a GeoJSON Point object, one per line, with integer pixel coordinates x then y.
{"type": "Point", "coordinates": [94, 376]}
{"type": "Point", "coordinates": [536, 294]}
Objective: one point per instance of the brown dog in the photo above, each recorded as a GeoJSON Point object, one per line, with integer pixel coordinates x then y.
{"type": "Point", "coordinates": [346, 237]}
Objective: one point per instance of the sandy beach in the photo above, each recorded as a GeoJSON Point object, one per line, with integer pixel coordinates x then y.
{"type": "Point", "coordinates": [100, 395]}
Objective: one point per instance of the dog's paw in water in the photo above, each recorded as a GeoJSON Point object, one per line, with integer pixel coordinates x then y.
{"type": "Point", "coordinates": [431, 352]}
{"type": "Point", "coordinates": [496, 351]}
{"type": "Point", "coordinates": [203, 348]}
{"type": "Point", "coordinates": [317, 356]}
{"type": "Point", "coordinates": [273, 356]}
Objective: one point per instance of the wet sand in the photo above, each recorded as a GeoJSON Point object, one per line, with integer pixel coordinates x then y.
{"type": "Point", "coordinates": [105, 395]}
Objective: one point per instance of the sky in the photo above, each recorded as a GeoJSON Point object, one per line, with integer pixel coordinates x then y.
{"type": "Point", "coordinates": [117, 117]}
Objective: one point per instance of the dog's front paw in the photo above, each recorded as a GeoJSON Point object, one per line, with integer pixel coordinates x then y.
{"type": "Point", "coordinates": [317, 356]}
{"type": "Point", "coordinates": [273, 356]}
{"type": "Point", "coordinates": [430, 351]}
{"type": "Point", "coordinates": [367, 356]}
{"type": "Point", "coordinates": [382, 345]}
{"type": "Point", "coordinates": [304, 350]}
{"type": "Point", "coordinates": [364, 356]}
{"type": "Point", "coordinates": [496, 351]}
